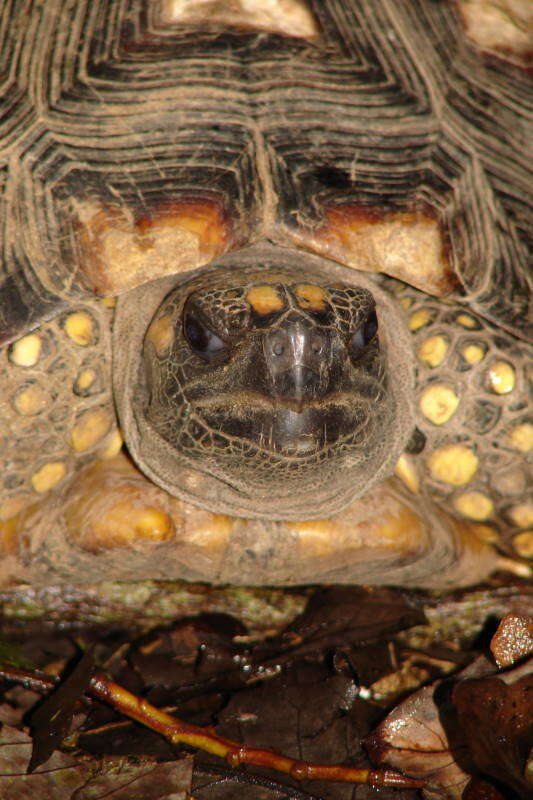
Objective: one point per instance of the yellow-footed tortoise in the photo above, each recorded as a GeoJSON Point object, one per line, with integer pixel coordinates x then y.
{"type": "Point", "coordinates": [314, 216]}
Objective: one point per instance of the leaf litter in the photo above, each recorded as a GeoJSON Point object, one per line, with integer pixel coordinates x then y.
{"type": "Point", "coordinates": [335, 676]}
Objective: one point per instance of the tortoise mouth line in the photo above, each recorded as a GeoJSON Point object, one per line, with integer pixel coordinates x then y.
{"type": "Point", "coordinates": [267, 403]}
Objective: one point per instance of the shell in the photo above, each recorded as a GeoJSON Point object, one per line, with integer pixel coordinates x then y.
{"type": "Point", "coordinates": [139, 141]}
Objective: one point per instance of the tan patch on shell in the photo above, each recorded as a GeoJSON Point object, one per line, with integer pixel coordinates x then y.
{"type": "Point", "coordinates": [501, 377]}
{"type": "Point", "coordinates": [89, 429]}
{"type": "Point", "coordinates": [31, 400]}
{"type": "Point", "coordinates": [522, 437]}
{"type": "Point", "coordinates": [161, 335]}
{"type": "Point", "coordinates": [284, 17]}
{"type": "Point", "coordinates": [310, 297]}
{"type": "Point", "coordinates": [26, 352]}
{"type": "Point", "coordinates": [48, 476]}
{"type": "Point", "coordinates": [453, 464]}
{"type": "Point", "coordinates": [406, 471]}
{"type": "Point", "coordinates": [433, 350]}
{"type": "Point", "coordinates": [501, 27]}
{"type": "Point", "coordinates": [406, 245]}
{"type": "Point", "coordinates": [120, 252]}
{"type": "Point", "coordinates": [474, 505]}
{"type": "Point", "coordinates": [438, 403]}
{"type": "Point", "coordinates": [264, 299]}
{"type": "Point", "coordinates": [79, 326]}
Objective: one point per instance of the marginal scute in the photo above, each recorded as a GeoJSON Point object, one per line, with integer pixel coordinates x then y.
{"type": "Point", "coordinates": [501, 377]}
{"type": "Point", "coordinates": [438, 403]}
{"type": "Point", "coordinates": [474, 505]}
{"type": "Point", "coordinates": [433, 350]}
{"type": "Point", "coordinates": [25, 352]}
{"type": "Point", "coordinates": [48, 476]}
{"type": "Point", "coordinates": [453, 464]}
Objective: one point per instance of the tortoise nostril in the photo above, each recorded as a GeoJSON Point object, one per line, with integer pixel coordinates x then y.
{"type": "Point", "coordinates": [278, 349]}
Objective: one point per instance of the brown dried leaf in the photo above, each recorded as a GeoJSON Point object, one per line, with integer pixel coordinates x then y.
{"type": "Point", "coordinates": [497, 722]}
{"type": "Point", "coordinates": [51, 720]}
{"type": "Point", "coordinates": [513, 640]}
{"type": "Point", "coordinates": [68, 778]}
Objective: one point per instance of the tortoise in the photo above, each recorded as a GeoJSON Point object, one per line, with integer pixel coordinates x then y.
{"type": "Point", "coordinates": [264, 294]}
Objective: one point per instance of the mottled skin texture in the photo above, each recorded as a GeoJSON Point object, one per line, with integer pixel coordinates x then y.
{"type": "Point", "coordinates": [139, 147]}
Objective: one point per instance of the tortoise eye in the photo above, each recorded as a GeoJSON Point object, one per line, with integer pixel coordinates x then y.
{"type": "Point", "coordinates": [364, 334]}
{"type": "Point", "coordinates": [202, 340]}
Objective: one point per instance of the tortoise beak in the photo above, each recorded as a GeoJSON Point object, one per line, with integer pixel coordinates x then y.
{"type": "Point", "coordinates": [298, 357]}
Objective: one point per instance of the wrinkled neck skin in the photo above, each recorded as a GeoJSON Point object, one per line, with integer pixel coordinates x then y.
{"type": "Point", "coordinates": [273, 393]}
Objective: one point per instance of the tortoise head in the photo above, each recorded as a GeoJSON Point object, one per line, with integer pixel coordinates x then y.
{"type": "Point", "coordinates": [270, 391]}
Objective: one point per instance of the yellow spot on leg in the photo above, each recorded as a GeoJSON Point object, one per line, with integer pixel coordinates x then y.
{"type": "Point", "coordinates": [473, 353]}
{"type": "Point", "coordinates": [438, 403]}
{"type": "Point", "coordinates": [406, 471]}
{"type": "Point", "coordinates": [419, 318]}
{"type": "Point", "coordinates": [48, 476]}
{"type": "Point", "coordinates": [522, 437]}
{"type": "Point", "coordinates": [310, 296]}
{"type": "Point", "coordinates": [523, 544]}
{"type": "Point", "coordinates": [522, 515]}
{"type": "Point", "coordinates": [433, 350]}
{"type": "Point", "coordinates": [30, 401]}
{"type": "Point", "coordinates": [79, 327]}
{"type": "Point", "coordinates": [474, 505]}
{"type": "Point", "coordinates": [161, 334]}
{"type": "Point", "coordinates": [467, 321]}
{"type": "Point", "coordinates": [454, 464]}
{"type": "Point", "coordinates": [84, 380]}
{"type": "Point", "coordinates": [90, 428]}
{"type": "Point", "coordinates": [501, 377]}
{"type": "Point", "coordinates": [26, 351]}
{"type": "Point", "coordinates": [264, 299]}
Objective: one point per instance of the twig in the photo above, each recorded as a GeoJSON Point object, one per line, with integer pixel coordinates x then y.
{"type": "Point", "coordinates": [178, 732]}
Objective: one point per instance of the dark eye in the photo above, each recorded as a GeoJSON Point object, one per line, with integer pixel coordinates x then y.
{"type": "Point", "coordinates": [364, 335]}
{"type": "Point", "coordinates": [202, 340]}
